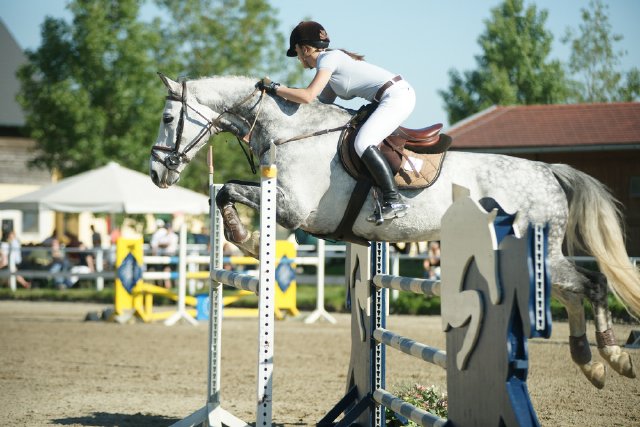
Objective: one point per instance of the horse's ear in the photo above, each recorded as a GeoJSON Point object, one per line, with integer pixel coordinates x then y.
{"type": "Point", "coordinates": [171, 85]}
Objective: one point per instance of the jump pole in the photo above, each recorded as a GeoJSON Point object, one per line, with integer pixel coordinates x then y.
{"type": "Point", "coordinates": [492, 388]}
{"type": "Point", "coordinates": [212, 413]}
{"type": "Point", "coordinates": [182, 312]}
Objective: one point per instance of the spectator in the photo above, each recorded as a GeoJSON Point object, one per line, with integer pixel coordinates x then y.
{"type": "Point", "coordinates": [59, 264]}
{"type": "Point", "coordinates": [96, 238]}
{"type": "Point", "coordinates": [48, 242]}
{"type": "Point", "coordinates": [164, 241]}
{"type": "Point", "coordinates": [115, 235]}
{"type": "Point", "coordinates": [202, 238]}
{"type": "Point", "coordinates": [84, 263]}
{"type": "Point", "coordinates": [432, 262]}
{"type": "Point", "coordinates": [10, 247]}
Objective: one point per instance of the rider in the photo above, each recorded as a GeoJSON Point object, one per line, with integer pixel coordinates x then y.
{"type": "Point", "coordinates": [346, 75]}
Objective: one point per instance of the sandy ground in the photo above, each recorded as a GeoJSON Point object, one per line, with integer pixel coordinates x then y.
{"type": "Point", "coordinates": [56, 369]}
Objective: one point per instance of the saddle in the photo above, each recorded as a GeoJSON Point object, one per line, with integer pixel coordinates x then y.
{"type": "Point", "coordinates": [415, 156]}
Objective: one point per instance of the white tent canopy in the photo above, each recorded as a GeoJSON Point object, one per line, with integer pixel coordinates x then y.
{"type": "Point", "coordinates": [110, 189]}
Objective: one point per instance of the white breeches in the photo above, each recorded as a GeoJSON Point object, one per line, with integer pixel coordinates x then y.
{"type": "Point", "coordinates": [395, 106]}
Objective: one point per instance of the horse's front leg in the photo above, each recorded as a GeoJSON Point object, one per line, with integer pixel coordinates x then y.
{"type": "Point", "coordinates": [248, 194]}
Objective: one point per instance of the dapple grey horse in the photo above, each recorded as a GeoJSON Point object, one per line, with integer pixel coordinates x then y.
{"type": "Point", "coordinates": [314, 188]}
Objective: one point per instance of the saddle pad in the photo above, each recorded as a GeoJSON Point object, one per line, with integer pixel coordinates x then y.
{"type": "Point", "coordinates": [427, 165]}
{"type": "Point", "coordinates": [418, 170]}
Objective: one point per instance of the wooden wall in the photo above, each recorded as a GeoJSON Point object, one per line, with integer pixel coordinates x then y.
{"type": "Point", "coordinates": [16, 153]}
{"type": "Point", "coordinates": [615, 169]}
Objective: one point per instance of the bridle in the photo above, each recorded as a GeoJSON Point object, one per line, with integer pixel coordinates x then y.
{"type": "Point", "coordinates": [174, 157]}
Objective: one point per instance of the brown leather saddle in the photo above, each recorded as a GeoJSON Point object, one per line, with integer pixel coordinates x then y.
{"type": "Point", "coordinates": [415, 156]}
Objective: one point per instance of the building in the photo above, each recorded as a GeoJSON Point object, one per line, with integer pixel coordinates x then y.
{"type": "Point", "coordinates": [16, 177]}
{"type": "Point", "coordinates": [602, 140]}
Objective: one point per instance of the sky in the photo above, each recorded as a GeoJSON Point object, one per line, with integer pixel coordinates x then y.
{"type": "Point", "coordinates": [420, 39]}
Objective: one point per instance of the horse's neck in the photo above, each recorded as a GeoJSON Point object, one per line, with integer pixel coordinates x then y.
{"type": "Point", "coordinates": [285, 117]}
{"type": "Point", "coordinates": [278, 119]}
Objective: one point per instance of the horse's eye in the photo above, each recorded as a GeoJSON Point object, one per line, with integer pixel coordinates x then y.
{"type": "Point", "coordinates": [167, 118]}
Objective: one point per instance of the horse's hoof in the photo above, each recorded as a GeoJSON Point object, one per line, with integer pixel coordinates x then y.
{"type": "Point", "coordinates": [595, 372]}
{"type": "Point", "coordinates": [234, 230]}
{"type": "Point", "coordinates": [624, 365]}
{"type": "Point", "coordinates": [619, 360]}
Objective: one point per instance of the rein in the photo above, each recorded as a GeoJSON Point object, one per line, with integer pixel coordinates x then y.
{"type": "Point", "coordinates": [306, 135]}
{"type": "Point", "coordinates": [174, 157]}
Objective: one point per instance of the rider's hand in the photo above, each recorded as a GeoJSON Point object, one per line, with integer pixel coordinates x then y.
{"type": "Point", "coordinates": [267, 85]}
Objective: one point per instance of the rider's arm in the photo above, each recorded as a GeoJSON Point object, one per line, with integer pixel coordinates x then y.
{"type": "Point", "coordinates": [308, 94]}
{"type": "Point", "coordinates": [327, 96]}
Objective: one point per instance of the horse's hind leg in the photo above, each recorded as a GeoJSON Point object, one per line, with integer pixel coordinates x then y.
{"type": "Point", "coordinates": [568, 286]}
{"type": "Point", "coordinates": [596, 291]}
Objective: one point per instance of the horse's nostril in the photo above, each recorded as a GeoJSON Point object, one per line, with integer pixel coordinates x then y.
{"type": "Point", "coordinates": [154, 177]}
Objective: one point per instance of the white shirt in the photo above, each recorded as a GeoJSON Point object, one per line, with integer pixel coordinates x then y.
{"type": "Point", "coordinates": [164, 242]}
{"type": "Point", "coordinates": [351, 78]}
{"type": "Point", "coordinates": [7, 248]}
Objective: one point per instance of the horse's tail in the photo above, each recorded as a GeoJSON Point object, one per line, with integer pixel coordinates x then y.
{"type": "Point", "coordinates": [595, 226]}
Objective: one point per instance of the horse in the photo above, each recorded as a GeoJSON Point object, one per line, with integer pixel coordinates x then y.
{"type": "Point", "coordinates": [314, 189]}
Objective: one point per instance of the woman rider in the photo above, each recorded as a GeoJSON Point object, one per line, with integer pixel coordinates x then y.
{"type": "Point", "coordinates": [344, 74]}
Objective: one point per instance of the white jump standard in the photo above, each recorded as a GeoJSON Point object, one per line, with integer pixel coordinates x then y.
{"type": "Point", "coordinates": [213, 414]}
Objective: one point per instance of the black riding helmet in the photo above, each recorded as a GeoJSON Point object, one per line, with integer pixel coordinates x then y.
{"type": "Point", "coordinates": [309, 33]}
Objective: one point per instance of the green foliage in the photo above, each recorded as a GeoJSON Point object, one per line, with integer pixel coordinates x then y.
{"type": "Point", "coordinates": [229, 161]}
{"type": "Point", "coordinates": [226, 37]}
{"type": "Point", "coordinates": [335, 299]}
{"type": "Point", "coordinates": [410, 303]}
{"type": "Point", "coordinates": [90, 91]}
{"type": "Point", "coordinates": [595, 60]}
{"type": "Point", "coordinates": [217, 37]}
{"type": "Point", "coordinates": [513, 68]}
{"type": "Point", "coordinates": [429, 399]}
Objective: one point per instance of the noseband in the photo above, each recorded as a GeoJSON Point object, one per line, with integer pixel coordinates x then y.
{"type": "Point", "coordinates": [174, 157]}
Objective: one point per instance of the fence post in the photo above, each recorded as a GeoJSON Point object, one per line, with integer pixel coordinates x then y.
{"type": "Point", "coordinates": [99, 268]}
{"type": "Point", "coordinates": [12, 269]}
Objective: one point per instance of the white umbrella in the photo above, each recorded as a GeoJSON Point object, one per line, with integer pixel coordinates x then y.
{"type": "Point", "coordinates": [111, 188]}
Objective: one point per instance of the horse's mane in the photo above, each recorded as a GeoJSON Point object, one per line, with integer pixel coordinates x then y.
{"type": "Point", "coordinates": [230, 87]}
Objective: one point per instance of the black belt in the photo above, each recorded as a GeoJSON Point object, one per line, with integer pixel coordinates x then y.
{"type": "Point", "coordinates": [384, 87]}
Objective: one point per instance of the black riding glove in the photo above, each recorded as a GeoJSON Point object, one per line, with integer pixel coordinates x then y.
{"type": "Point", "coordinates": [267, 85]}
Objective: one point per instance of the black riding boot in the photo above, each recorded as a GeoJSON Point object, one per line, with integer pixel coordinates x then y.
{"type": "Point", "coordinates": [392, 205]}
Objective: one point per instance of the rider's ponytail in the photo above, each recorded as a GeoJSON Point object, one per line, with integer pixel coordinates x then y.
{"type": "Point", "coordinates": [355, 56]}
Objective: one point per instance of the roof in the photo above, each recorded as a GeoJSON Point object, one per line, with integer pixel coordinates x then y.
{"type": "Point", "coordinates": [12, 58]}
{"type": "Point", "coordinates": [554, 127]}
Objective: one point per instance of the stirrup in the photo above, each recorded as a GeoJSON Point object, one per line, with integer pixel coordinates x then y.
{"type": "Point", "coordinates": [388, 211]}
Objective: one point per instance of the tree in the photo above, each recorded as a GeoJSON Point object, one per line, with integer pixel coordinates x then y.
{"type": "Point", "coordinates": [89, 91]}
{"type": "Point", "coordinates": [91, 94]}
{"type": "Point", "coordinates": [223, 37]}
{"type": "Point", "coordinates": [513, 68]}
{"type": "Point", "coordinates": [595, 60]}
